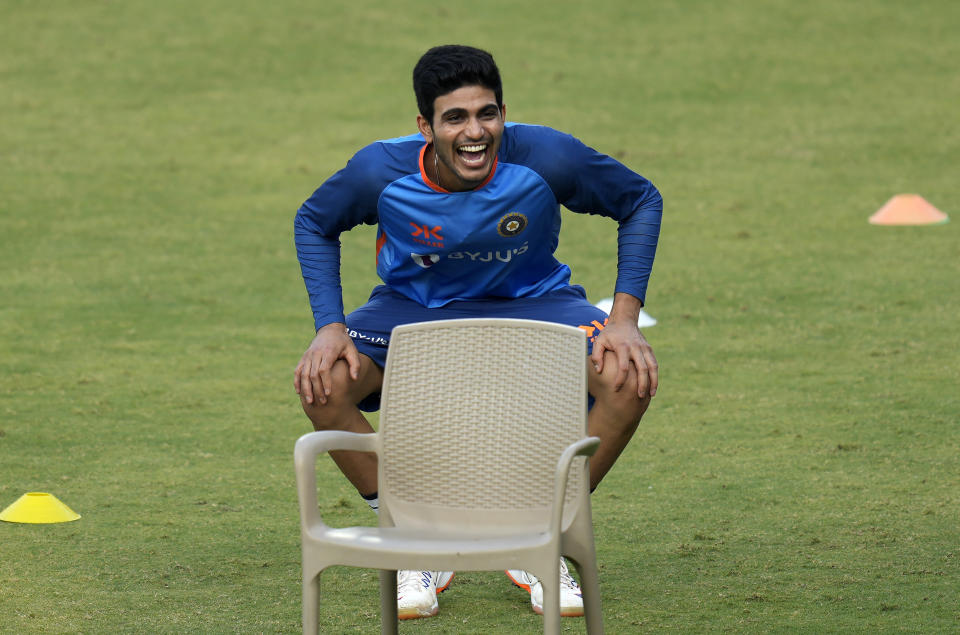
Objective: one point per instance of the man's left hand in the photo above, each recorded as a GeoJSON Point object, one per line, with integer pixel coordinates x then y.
{"type": "Point", "coordinates": [622, 337]}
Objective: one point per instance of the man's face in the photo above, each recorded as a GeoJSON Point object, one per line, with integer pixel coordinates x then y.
{"type": "Point", "coordinates": [466, 131]}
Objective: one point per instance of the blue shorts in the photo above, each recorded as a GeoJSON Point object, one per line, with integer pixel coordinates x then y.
{"type": "Point", "coordinates": [371, 324]}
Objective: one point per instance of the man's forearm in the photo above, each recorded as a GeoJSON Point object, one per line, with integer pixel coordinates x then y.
{"type": "Point", "coordinates": [319, 258]}
{"type": "Point", "coordinates": [626, 308]}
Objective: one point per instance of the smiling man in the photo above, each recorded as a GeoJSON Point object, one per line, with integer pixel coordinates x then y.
{"type": "Point", "coordinates": [466, 138]}
{"type": "Point", "coordinates": [468, 216]}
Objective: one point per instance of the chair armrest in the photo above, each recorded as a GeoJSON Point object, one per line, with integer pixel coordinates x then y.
{"type": "Point", "coordinates": [583, 447]}
{"type": "Point", "coordinates": [313, 443]}
{"type": "Point", "coordinates": [305, 453]}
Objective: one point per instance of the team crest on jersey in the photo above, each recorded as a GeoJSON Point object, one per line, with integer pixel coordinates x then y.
{"type": "Point", "coordinates": [425, 260]}
{"type": "Point", "coordinates": [511, 224]}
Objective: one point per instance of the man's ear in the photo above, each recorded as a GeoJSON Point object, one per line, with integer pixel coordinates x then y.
{"type": "Point", "coordinates": [425, 129]}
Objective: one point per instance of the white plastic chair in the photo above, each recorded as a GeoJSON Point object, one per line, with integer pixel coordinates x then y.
{"type": "Point", "coordinates": [482, 464]}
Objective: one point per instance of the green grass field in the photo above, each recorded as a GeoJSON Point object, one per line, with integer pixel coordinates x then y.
{"type": "Point", "coordinates": [798, 470]}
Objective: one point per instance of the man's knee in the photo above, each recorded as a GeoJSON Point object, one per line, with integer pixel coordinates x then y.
{"type": "Point", "coordinates": [332, 412]}
{"type": "Point", "coordinates": [625, 399]}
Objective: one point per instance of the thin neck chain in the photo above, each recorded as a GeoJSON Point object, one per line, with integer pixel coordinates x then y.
{"type": "Point", "coordinates": [436, 166]}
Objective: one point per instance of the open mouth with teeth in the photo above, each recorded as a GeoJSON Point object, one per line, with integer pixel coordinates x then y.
{"type": "Point", "coordinates": [473, 155]}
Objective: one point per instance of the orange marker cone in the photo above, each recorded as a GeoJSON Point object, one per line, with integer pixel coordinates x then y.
{"type": "Point", "coordinates": [908, 209]}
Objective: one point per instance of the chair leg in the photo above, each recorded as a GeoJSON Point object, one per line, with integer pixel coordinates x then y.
{"type": "Point", "coordinates": [590, 587]}
{"type": "Point", "coordinates": [311, 603]}
{"type": "Point", "coordinates": [388, 602]}
{"type": "Point", "coordinates": [551, 601]}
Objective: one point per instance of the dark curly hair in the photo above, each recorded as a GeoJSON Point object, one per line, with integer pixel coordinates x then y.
{"type": "Point", "coordinates": [444, 69]}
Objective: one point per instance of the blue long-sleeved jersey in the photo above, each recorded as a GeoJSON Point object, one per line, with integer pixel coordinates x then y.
{"type": "Point", "coordinates": [497, 240]}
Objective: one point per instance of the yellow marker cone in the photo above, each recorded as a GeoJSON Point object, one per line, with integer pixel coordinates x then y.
{"type": "Point", "coordinates": [38, 507]}
{"type": "Point", "coordinates": [908, 209]}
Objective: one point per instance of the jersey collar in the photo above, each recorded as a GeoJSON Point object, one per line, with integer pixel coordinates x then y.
{"type": "Point", "coordinates": [437, 188]}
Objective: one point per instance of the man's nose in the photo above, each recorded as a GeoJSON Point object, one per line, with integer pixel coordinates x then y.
{"type": "Point", "coordinates": [474, 129]}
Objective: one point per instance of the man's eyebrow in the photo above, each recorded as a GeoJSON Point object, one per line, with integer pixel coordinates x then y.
{"type": "Point", "coordinates": [458, 110]}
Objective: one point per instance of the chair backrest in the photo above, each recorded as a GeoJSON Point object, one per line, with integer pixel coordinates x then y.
{"type": "Point", "coordinates": [474, 415]}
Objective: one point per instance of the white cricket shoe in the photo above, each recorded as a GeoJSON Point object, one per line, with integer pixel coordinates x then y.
{"type": "Point", "coordinates": [417, 592]}
{"type": "Point", "coordinates": [571, 599]}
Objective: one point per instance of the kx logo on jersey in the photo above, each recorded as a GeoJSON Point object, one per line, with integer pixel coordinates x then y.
{"type": "Point", "coordinates": [426, 235]}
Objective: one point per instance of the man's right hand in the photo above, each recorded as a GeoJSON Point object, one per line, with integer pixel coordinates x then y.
{"type": "Point", "coordinates": [312, 379]}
